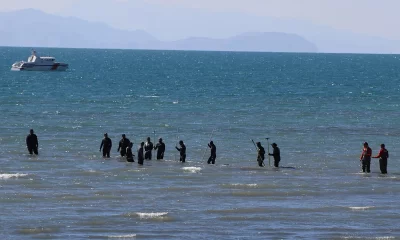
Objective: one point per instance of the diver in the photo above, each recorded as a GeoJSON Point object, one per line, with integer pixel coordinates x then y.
{"type": "Point", "coordinates": [160, 147]}
{"type": "Point", "coordinates": [182, 151]}
{"type": "Point", "coordinates": [276, 153]}
{"type": "Point", "coordinates": [213, 155]}
{"type": "Point", "coordinates": [32, 143]}
{"type": "Point", "coordinates": [106, 144]}
{"type": "Point", "coordinates": [123, 144]}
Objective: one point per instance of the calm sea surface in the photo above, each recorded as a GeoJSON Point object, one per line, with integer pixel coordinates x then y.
{"type": "Point", "coordinates": [318, 108]}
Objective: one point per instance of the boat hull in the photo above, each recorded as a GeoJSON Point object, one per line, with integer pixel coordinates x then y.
{"type": "Point", "coordinates": [30, 67]}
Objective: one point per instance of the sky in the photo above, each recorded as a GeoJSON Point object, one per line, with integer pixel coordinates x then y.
{"type": "Point", "coordinates": [174, 19]}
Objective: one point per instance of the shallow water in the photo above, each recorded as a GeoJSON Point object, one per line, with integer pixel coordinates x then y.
{"type": "Point", "coordinates": [319, 108]}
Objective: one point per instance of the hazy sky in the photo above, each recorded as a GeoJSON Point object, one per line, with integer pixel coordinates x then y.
{"type": "Point", "coordinates": [170, 19]}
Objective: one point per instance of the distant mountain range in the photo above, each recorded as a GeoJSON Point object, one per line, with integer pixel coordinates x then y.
{"type": "Point", "coordinates": [34, 28]}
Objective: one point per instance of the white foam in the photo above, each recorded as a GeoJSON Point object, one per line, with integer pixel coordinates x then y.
{"type": "Point", "coordinates": [373, 238]}
{"type": "Point", "coordinates": [192, 169]}
{"type": "Point", "coordinates": [151, 215]}
{"type": "Point", "coordinates": [149, 96]}
{"type": "Point", "coordinates": [361, 208]}
{"type": "Point", "coordinates": [175, 102]}
{"type": "Point", "coordinates": [123, 236]}
{"type": "Point", "coordinates": [12, 175]}
{"type": "Point", "coordinates": [244, 185]}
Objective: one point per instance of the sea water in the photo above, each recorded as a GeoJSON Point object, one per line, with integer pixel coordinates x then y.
{"type": "Point", "coordinates": [318, 108]}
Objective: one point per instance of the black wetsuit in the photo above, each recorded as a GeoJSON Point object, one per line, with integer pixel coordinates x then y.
{"type": "Point", "coordinates": [160, 147]}
{"type": "Point", "coordinates": [140, 156]}
{"type": "Point", "coordinates": [277, 156]}
{"type": "Point", "coordinates": [106, 144]}
{"type": "Point", "coordinates": [213, 155]}
{"type": "Point", "coordinates": [182, 153]}
{"type": "Point", "coordinates": [129, 155]}
{"type": "Point", "coordinates": [261, 156]}
{"type": "Point", "coordinates": [148, 148]}
{"type": "Point", "coordinates": [32, 143]}
{"type": "Point", "coordinates": [123, 144]}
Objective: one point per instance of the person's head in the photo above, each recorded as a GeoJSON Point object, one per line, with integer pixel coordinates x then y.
{"type": "Point", "coordinates": [365, 144]}
{"type": "Point", "coordinates": [123, 136]}
{"type": "Point", "coordinates": [258, 144]}
{"type": "Point", "coordinates": [131, 144]}
{"type": "Point", "coordinates": [105, 135]}
{"type": "Point", "coordinates": [274, 145]}
{"type": "Point", "coordinates": [160, 140]}
{"type": "Point", "coordinates": [180, 142]}
{"type": "Point", "coordinates": [148, 139]}
{"type": "Point", "coordinates": [211, 143]}
{"type": "Point", "coordinates": [382, 145]}
{"type": "Point", "coordinates": [31, 131]}
{"type": "Point", "coordinates": [142, 144]}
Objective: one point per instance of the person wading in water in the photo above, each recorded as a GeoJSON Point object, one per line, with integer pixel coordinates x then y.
{"type": "Point", "coordinates": [32, 143]}
{"type": "Point", "coordinates": [106, 144]}
{"type": "Point", "coordinates": [160, 147]}
{"type": "Point", "coordinates": [182, 151]}
{"type": "Point", "coordinates": [383, 159]}
{"type": "Point", "coordinates": [365, 158]}
{"type": "Point", "coordinates": [261, 154]}
{"type": "Point", "coordinates": [123, 144]}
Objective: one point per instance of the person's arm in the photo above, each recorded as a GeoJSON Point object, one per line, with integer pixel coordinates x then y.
{"type": "Point", "coordinates": [27, 140]}
{"type": "Point", "coordinates": [37, 142]}
{"type": "Point", "coordinates": [101, 145]}
{"type": "Point", "coordinates": [177, 148]}
{"type": "Point", "coordinates": [274, 153]}
{"type": "Point", "coordinates": [119, 146]}
{"type": "Point", "coordinates": [379, 154]}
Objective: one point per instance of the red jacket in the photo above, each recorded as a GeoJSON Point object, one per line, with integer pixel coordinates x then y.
{"type": "Point", "coordinates": [366, 154]}
{"type": "Point", "coordinates": [383, 153]}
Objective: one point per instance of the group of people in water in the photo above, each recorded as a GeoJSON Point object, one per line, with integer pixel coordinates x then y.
{"type": "Point", "coordinates": [366, 156]}
{"type": "Point", "coordinates": [145, 149]}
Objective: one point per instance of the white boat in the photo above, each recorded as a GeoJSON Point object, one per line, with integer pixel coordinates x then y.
{"type": "Point", "coordinates": [37, 63]}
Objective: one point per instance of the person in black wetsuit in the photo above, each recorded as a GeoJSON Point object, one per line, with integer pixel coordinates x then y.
{"type": "Point", "coordinates": [32, 143]}
{"type": "Point", "coordinates": [182, 151]}
{"type": "Point", "coordinates": [129, 154]}
{"type": "Point", "coordinates": [123, 144]}
{"type": "Point", "coordinates": [140, 154]}
{"type": "Point", "coordinates": [160, 147]}
{"type": "Point", "coordinates": [148, 148]}
{"type": "Point", "coordinates": [213, 155]}
{"type": "Point", "coordinates": [106, 144]}
{"type": "Point", "coordinates": [261, 154]}
{"type": "Point", "coordinates": [276, 153]}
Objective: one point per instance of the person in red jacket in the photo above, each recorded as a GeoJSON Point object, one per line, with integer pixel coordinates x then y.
{"type": "Point", "coordinates": [365, 158]}
{"type": "Point", "coordinates": [383, 156]}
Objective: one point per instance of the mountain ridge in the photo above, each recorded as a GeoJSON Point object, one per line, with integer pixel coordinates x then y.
{"type": "Point", "coordinates": [24, 28]}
